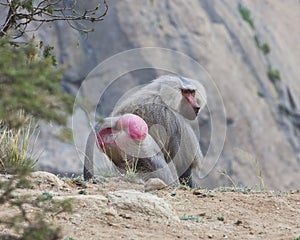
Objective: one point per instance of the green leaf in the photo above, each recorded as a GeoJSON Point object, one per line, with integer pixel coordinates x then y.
{"type": "Point", "coordinates": [28, 5]}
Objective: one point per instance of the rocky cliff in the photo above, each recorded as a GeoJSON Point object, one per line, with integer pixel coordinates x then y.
{"type": "Point", "coordinates": [249, 49]}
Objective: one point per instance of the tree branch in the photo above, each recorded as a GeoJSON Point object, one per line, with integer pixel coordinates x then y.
{"type": "Point", "coordinates": [19, 15]}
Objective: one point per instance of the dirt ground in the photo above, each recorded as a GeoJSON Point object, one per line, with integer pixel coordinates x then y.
{"type": "Point", "coordinates": [203, 214]}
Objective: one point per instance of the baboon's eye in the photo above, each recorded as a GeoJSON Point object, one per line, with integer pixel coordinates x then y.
{"type": "Point", "coordinates": [188, 92]}
{"type": "Point", "coordinates": [193, 92]}
{"type": "Point", "coordinates": [184, 91]}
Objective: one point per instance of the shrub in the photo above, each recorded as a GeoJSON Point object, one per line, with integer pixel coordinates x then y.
{"type": "Point", "coordinates": [17, 147]}
{"type": "Point", "coordinates": [245, 13]}
{"type": "Point", "coordinates": [30, 82]}
{"type": "Point", "coordinates": [265, 48]}
{"type": "Point", "coordinates": [29, 215]}
{"type": "Point", "coordinates": [256, 40]}
{"type": "Point", "coordinates": [274, 75]}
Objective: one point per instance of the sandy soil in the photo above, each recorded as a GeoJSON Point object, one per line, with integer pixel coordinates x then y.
{"type": "Point", "coordinates": [217, 214]}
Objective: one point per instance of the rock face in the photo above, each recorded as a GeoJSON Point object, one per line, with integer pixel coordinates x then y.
{"type": "Point", "coordinates": [262, 146]}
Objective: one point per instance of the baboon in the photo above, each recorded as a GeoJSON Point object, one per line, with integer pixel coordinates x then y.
{"type": "Point", "coordinates": [167, 107]}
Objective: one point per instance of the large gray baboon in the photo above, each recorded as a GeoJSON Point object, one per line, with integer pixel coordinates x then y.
{"type": "Point", "coordinates": [151, 128]}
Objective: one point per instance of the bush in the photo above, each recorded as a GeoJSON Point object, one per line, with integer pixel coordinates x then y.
{"type": "Point", "coordinates": [265, 48]}
{"type": "Point", "coordinates": [256, 40]}
{"type": "Point", "coordinates": [30, 82]}
{"type": "Point", "coordinates": [245, 13]}
{"type": "Point", "coordinates": [16, 147]}
{"type": "Point", "coordinates": [274, 75]}
{"type": "Point", "coordinates": [29, 215]}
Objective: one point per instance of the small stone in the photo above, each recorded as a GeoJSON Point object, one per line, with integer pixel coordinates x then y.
{"type": "Point", "coordinates": [238, 222]}
{"type": "Point", "coordinates": [126, 216]}
{"type": "Point", "coordinates": [154, 184]}
{"type": "Point", "coordinates": [111, 212]}
{"type": "Point", "coordinates": [173, 194]}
